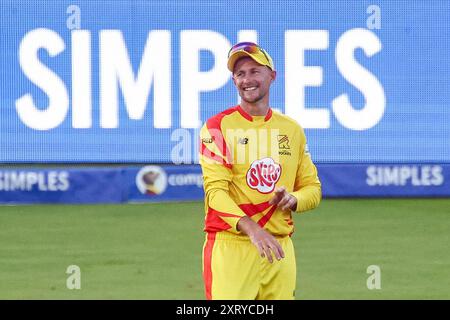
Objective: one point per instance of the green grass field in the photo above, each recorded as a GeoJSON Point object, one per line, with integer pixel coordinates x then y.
{"type": "Point", "coordinates": [153, 251]}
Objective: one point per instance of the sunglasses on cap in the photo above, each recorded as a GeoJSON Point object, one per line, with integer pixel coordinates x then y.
{"type": "Point", "coordinates": [249, 47]}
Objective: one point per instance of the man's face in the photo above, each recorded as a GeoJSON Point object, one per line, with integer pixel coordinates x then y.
{"type": "Point", "coordinates": [252, 79]}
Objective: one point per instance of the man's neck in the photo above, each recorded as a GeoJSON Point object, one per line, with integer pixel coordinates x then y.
{"type": "Point", "coordinates": [255, 109]}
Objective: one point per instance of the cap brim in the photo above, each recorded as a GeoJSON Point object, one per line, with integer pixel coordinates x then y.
{"type": "Point", "coordinates": [240, 54]}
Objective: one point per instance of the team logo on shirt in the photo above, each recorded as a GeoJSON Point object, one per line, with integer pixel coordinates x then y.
{"type": "Point", "coordinates": [263, 175]}
{"type": "Point", "coordinates": [283, 141]}
{"type": "Point", "coordinates": [283, 145]}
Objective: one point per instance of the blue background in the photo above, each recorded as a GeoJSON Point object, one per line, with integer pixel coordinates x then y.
{"type": "Point", "coordinates": [413, 68]}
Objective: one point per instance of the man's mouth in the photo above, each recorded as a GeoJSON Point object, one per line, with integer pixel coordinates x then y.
{"type": "Point", "coordinates": [249, 88]}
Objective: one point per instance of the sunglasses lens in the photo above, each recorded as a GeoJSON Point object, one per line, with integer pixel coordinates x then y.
{"type": "Point", "coordinates": [250, 47]}
{"type": "Point", "coordinates": [246, 46]}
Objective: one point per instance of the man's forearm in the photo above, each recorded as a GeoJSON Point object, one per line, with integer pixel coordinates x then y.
{"type": "Point", "coordinates": [247, 226]}
{"type": "Point", "coordinates": [263, 240]}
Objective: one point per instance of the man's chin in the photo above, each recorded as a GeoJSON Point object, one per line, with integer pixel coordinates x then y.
{"type": "Point", "coordinates": [251, 99]}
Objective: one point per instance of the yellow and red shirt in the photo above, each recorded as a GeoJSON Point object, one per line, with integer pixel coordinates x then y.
{"type": "Point", "coordinates": [243, 159]}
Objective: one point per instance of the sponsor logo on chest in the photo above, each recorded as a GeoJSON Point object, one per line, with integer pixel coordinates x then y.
{"type": "Point", "coordinates": [263, 174]}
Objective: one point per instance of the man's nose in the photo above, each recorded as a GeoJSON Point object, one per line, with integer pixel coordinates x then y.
{"type": "Point", "coordinates": [246, 79]}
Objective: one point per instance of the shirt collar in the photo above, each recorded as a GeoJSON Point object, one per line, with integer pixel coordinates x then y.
{"type": "Point", "coordinates": [250, 118]}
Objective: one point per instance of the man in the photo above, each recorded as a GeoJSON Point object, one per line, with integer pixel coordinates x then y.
{"type": "Point", "coordinates": [257, 170]}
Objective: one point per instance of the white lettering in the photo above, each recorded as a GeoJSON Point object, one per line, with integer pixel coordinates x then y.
{"type": "Point", "coordinates": [17, 181]}
{"type": "Point", "coordinates": [417, 176]}
{"type": "Point", "coordinates": [115, 69]}
{"type": "Point", "coordinates": [64, 181]}
{"type": "Point", "coordinates": [186, 179]}
{"type": "Point", "coordinates": [390, 176]}
{"type": "Point", "coordinates": [437, 177]}
{"type": "Point", "coordinates": [154, 74]}
{"type": "Point", "coordinates": [371, 179]}
{"type": "Point", "coordinates": [44, 78]}
{"type": "Point", "coordinates": [192, 80]}
{"type": "Point", "coordinates": [42, 184]}
{"type": "Point", "coordinates": [81, 79]}
{"type": "Point", "coordinates": [298, 76]}
{"type": "Point", "coordinates": [415, 179]}
{"type": "Point", "coordinates": [405, 174]}
{"type": "Point", "coordinates": [52, 181]}
{"type": "Point", "coordinates": [193, 310]}
{"type": "Point", "coordinates": [359, 77]}
{"type": "Point", "coordinates": [28, 180]}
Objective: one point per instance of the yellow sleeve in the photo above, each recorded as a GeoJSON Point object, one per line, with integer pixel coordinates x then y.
{"type": "Point", "coordinates": [307, 187]}
{"type": "Point", "coordinates": [222, 211]}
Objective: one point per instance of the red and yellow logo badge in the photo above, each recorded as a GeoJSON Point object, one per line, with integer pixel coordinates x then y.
{"type": "Point", "coordinates": [263, 175]}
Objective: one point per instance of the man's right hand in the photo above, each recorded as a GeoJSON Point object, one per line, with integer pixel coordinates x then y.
{"type": "Point", "coordinates": [264, 241]}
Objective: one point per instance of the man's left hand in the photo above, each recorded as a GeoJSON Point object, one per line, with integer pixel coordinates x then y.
{"type": "Point", "coordinates": [283, 199]}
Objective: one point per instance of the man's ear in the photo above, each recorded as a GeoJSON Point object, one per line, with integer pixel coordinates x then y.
{"type": "Point", "coordinates": [273, 75]}
{"type": "Point", "coordinates": [234, 80]}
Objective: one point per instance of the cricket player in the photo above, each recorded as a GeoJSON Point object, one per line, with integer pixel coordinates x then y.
{"type": "Point", "coordinates": [257, 170]}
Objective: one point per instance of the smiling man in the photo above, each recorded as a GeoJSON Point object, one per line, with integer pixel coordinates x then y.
{"type": "Point", "coordinates": [257, 170]}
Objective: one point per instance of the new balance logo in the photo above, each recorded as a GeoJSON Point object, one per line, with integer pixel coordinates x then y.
{"type": "Point", "coordinates": [243, 140]}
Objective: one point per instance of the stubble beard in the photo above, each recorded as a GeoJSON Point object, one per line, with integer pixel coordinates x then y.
{"type": "Point", "coordinates": [257, 99]}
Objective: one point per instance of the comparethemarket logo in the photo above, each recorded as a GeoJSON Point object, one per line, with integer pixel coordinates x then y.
{"type": "Point", "coordinates": [151, 180]}
{"type": "Point", "coordinates": [188, 179]}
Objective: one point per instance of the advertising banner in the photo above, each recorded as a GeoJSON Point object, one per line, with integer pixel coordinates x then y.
{"type": "Point", "coordinates": [152, 183]}
{"type": "Point", "coordinates": [60, 185]}
{"type": "Point", "coordinates": [164, 183]}
{"type": "Point", "coordinates": [382, 180]}
{"type": "Point", "coordinates": [133, 81]}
